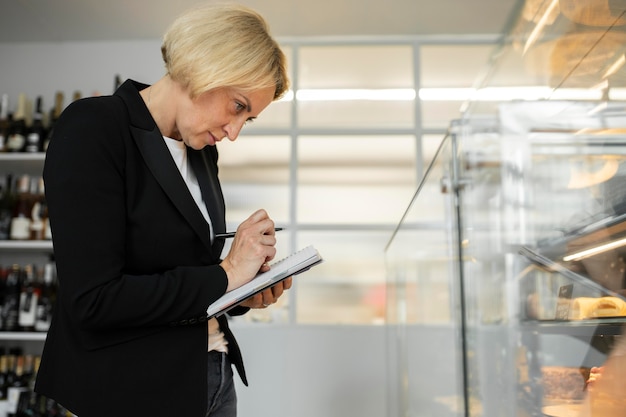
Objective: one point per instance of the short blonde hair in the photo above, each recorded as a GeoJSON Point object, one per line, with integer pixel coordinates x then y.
{"type": "Point", "coordinates": [224, 45]}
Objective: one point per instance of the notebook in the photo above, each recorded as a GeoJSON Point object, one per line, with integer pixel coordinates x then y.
{"type": "Point", "coordinates": [294, 264]}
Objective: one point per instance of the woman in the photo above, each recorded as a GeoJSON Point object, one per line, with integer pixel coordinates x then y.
{"type": "Point", "coordinates": [134, 205]}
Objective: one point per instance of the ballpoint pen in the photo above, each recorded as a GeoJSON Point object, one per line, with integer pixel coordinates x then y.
{"type": "Point", "coordinates": [232, 234]}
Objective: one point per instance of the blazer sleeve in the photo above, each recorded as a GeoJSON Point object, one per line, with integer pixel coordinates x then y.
{"type": "Point", "coordinates": [87, 190]}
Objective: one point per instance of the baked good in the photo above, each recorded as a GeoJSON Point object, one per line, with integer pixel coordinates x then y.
{"type": "Point", "coordinates": [581, 307]}
{"type": "Point", "coordinates": [564, 382]}
{"type": "Point", "coordinates": [609, 307]}
{"type": "Point", "coordinates": [594, 307]}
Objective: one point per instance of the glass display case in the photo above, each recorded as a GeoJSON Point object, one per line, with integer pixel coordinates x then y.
{"type": "Point", "coordinates": [506, 275]}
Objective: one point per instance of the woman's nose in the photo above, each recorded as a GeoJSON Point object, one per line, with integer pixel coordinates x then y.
{"type": "Point", "coordinates": [233, 129]}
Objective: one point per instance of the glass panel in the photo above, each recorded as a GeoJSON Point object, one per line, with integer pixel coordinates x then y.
{"type": "Point", "coordinates": [355, 114]}
{"type": "Point", "coordinates": [254, 172]}
{"type": "Point", "coordinates": [422, 268]}
{"type": "Point", "coordinates": [354, 179]}
{"type": "Point", "coordinates": [349, 287]}
{"type": "Point", "coordinates": [452, 65]}
{"type": "Point", "coordinates": [437, 114]}
{"type": "Point", "coordinates": [355, 66]}
{"type": "Point", "coordinates": [430, 146]}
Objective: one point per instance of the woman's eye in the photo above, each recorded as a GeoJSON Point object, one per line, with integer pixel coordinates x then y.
{"type": "Point", "coordinates": [239, 107]}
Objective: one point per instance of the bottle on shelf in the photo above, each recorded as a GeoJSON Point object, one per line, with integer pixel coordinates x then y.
{"type": "Point", "coordinates": [39, 225]}
{"type": "Point", "coordinates": [4, 122]}
{"type": "Point", "coordinates": [55, 113]}
{"type": "Point", "coordinates": [37, 130]}
{"type": "Point", "coordinates": [47, 299]}
{"type": "Point", "coordinates": [17, 385]}
{"type": "Point", "coordinates": [11, 305]}
{"type": "Point", "coordinates": [29, 299]}
{"type": "Point", "coordinates": [22, 210]}
{"type": "Point", "coordinates": [7, 201]}
{"type": "Point", "coordinates": [16, 140]}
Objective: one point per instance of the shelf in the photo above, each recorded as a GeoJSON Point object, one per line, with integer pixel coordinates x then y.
{"type": "Point", "coordinates": [22, 157]}
{"type": "Point", "coordinates": [26, 246]}
{"type": "Point", "coordinates": [22, 163]}
{"type": "Point", "coordinates": [578, 328]}
{"type": "Point", "coordinates": [23, 336]}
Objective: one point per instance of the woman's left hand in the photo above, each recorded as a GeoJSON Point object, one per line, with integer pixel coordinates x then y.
{"type": "Point", "coordinates": [269, 296]}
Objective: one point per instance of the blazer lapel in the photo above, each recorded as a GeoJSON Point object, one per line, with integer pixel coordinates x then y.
{"type": "Point", "coordinates": [150, 142]}
{"type": "Point", "coordinates": [159, 161]}
{"type": "Point", "coordinates": [204, 165]}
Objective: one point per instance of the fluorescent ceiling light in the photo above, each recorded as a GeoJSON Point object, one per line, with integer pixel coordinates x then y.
{"type": "Point", "coordinates": [453, 94]}
{"type": "Point", "coordinates": [393, 94]}
{"type": "Point", "coordinates": [595, 250]}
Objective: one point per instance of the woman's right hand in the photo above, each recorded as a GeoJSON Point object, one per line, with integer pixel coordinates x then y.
{"type": "Point", "coordinates": [252, 248]}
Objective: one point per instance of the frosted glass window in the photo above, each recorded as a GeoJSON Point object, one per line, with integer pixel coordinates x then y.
{"type": "Point", "coordinates": [452, 65]}
{"type": "Point", "coordinates": [349, 287]}
{"type": "Point", "coordinates": [354, 179]}
{"type": "Point", "coordinates": [356, 66]}
{"type": "Point", "coordinates": [438, 114]}
{"type": "Point", "coordinates": [430, 145]}
{"type": "Point", "coordinates": [254, 172]}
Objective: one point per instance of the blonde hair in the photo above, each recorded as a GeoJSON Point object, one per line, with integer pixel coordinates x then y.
{"type": "Point", "coordinates": [224, 45]}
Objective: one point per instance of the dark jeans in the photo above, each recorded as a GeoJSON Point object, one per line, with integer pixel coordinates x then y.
{"type": "Point", "coordinates": [222, 395]}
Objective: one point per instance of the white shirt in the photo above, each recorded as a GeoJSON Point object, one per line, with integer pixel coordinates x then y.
{"type": "Point", "coordinates": [177, 148]}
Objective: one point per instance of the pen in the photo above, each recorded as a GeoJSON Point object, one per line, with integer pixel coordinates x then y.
{"type": "Point", "coordinates": [232, 234]}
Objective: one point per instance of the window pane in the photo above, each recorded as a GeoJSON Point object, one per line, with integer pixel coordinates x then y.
{"type": "Point", "coordinates": [356, 114]}
{"type": "Point", "coordinates": [254, 172]}
{"type": "Point", "coordinates": [356, 66]}
{"type": "Point", "coordinates": [438, 114]}
{"type": "Point", "coordinates": [354, 179]}
{"type": "Point", "coordinates": [349, 287]}
{"type": "Point", "coordinates": [452, 65]}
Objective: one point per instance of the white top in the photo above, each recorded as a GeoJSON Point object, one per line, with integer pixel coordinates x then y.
{"type": "Point", "coordinates": [177, 148]}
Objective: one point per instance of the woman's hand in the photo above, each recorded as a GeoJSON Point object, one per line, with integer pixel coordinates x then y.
{"type": "Point", "coordinates": [269, 296]}
{"type": "Point", "coordinates": [252, 248]}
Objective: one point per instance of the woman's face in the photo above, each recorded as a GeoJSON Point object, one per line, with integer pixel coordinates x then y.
{"type": "Point", "coordinates": [218, 114]}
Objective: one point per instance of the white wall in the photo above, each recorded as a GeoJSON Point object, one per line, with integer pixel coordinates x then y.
{"type": "Point", "coordinates": [90, 67]}
{"type": "Point", "coordinates": [313, 371]}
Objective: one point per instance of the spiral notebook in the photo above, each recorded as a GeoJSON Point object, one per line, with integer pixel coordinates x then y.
{"type": "Point", "coordinates": [294, 264]}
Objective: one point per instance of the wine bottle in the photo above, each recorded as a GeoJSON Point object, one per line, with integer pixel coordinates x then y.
{"type": "Point", "coordinates": [29, 298]}
{"type": "Point", "coordinates": [17, 129]}
{"type": "Point", "coordinates": [45, 303]}
{"type": "Point", "coordinates": [7, 201]}
{"type": "Point", "coordinates": [11, 306]}
{"type": "Point", "coordinates": [4, 273]}
{"type": "Point", "coordinates": [37, 131]}
{"type": "Point", "coordinates": [17, 388]}
{"type": "Point", "coordinates": [4, 122]}
{"type": "Point", "coordinates": [4, 384]}
{"type": "Point", "coordinates": [39, 227]}
{"type": "Point", "coordinates": [54, 116]}
{"type": "Point", "coordinates": [22, 210]}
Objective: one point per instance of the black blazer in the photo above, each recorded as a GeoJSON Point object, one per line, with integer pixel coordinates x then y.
{"type": "Point", "coordinates": [135, 265]}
